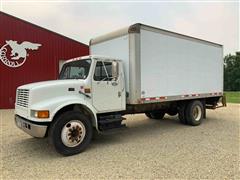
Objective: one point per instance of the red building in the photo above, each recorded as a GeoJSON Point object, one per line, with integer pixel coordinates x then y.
{"type": "Point", "coordinates": [29, 53]}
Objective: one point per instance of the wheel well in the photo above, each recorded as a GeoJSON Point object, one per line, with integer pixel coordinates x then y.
{"type": "Point", "coordinates": [75, 107]}
{"type": "Point", "coordinates": [184, 104]}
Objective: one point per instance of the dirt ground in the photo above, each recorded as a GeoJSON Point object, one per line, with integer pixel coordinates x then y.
{"type": "Point", "coordinates": [146, 149]}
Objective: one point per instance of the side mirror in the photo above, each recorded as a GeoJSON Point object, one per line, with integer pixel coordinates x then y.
{"type": "Point", "coordinates": [115, 70]}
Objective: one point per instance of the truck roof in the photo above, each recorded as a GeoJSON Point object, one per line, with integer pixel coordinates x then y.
{"type": "Point", "coordinates": [135, 28]}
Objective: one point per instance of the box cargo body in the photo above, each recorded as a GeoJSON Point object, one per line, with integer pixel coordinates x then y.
{"type": "Point", "coordinates": [163, 66]}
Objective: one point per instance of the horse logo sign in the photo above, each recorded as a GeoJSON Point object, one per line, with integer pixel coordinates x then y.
{"type": "Point", "coordinates": [14, 55]}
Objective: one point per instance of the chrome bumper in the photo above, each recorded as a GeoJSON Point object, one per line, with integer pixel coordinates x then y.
{"type": "Point", "coordinates": [30, 128]}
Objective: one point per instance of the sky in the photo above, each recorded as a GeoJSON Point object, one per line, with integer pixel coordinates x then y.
{"type": "Point", "coordinates": [215, 21]}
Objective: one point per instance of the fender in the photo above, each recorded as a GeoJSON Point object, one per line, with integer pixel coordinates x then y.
{"type": "Point", "coordinates": [55, 104]}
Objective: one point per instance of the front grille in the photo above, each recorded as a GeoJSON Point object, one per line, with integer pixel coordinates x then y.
{"type": "Point", "coordinates": [22, 97]}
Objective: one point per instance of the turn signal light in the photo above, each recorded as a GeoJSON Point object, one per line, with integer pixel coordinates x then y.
{"type": "Point", "coordinates": [43, 114]}
{"type": "Point", "coordinates": [40, 114]}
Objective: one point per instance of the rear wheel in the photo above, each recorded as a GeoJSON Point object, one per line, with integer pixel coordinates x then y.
{"type": "Point", "coordinates": [70, 133]}
{"type": "Point", "coordinates": [181, 113]}
{"type": "Point", "coordinates": [148, 114]}
{"type": "Point", "coordinates": [172, 112]}
{"type": "Point", "coordinates": [194, 113]}
{"type": "Point", "coordinates": [155, 114]}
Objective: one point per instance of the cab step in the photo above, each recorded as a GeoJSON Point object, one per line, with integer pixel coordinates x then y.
{"type": "Point", "coordinates": [114, 130]}
{"type": "Point", "coordinates": [112, 121]}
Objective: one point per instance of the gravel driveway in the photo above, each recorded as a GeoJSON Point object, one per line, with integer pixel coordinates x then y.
{"type": "Point", "coordinates": [146, 149]}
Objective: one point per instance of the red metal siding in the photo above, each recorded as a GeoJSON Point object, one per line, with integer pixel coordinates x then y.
{"type": "Point", "coordinates": [41, 64]}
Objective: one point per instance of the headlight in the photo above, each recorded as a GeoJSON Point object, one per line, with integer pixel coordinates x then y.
{"type": "Point", "coordinates": [40, 113]}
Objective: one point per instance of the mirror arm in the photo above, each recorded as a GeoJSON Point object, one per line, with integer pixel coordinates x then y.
{"type": "Point", "coordinates": [80, 92]}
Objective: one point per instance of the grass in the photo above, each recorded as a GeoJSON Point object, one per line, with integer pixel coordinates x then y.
{"type": "Point", "coordinates": [232, 96]}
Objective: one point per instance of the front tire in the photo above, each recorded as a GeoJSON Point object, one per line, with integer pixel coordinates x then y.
{"type": "Point", "coordinates": [71, 133]}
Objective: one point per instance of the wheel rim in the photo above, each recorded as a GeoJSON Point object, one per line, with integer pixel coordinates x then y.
{"type": "Point", "coordinates": [197, 113]}
{"type": "Point", "coordinates": [73, 133]}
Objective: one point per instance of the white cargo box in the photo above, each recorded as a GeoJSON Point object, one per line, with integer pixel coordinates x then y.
{"type": "Point", "coordinates": [161, 65]}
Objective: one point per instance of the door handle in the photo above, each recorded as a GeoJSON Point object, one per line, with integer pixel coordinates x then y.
{"type": "Point", "coordinates": [114, 83]}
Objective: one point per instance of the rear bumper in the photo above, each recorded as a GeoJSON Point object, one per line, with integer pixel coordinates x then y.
{"type": "Point", "coordinates": [30, 127]}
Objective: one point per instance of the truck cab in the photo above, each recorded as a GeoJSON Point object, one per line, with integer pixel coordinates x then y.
{"type": "Point", "coordinates": [87, 86]}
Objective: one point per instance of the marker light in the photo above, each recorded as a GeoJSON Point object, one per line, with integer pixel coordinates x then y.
{"type": "Point", "coordinates": [87, 90]}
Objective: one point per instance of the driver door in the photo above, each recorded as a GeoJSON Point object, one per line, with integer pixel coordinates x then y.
{"type": "Point", "coordinates": [107, 88]}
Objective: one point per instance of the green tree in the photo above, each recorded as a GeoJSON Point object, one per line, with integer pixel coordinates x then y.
{"type": "Point", "coordinates": [232, 72]}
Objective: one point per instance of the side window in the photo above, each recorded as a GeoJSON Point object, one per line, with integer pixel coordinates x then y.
{"type": "Point", "coordinates": [108, 66]}
{"type": "Point", "coordinates": [100, 71]}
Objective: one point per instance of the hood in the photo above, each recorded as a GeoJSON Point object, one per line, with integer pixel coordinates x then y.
{"type": "Point", "coordinates": [46, 90]}
{"type": "Point", "coordinates": [46, 84]}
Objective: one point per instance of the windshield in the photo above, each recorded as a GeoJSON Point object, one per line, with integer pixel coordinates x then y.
{"type": "Point", "coordinates": [76, 69]}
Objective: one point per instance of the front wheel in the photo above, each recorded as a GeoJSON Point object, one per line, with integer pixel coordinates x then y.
{"type": "Point", "coordinates": [70, 133]}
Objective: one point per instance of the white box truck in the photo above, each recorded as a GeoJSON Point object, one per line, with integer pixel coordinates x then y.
{"type": "Point", "coordinates": [138, 69]}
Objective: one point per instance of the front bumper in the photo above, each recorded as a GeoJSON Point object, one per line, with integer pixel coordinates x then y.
{"type": "Point", "coordinates": [30, 127]}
